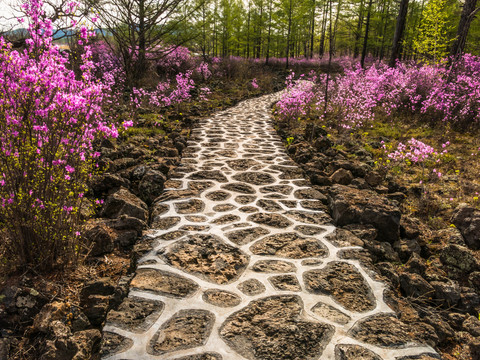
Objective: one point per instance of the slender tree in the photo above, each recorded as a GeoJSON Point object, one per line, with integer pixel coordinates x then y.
{"type": "Point", "coordinates": [399, 29]}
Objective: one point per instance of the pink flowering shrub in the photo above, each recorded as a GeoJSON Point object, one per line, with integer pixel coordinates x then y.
{"type": "Point", "coordinates": [49, 119]}
{"type": "Point", "coordinates": [433, 93]}
{"type": "Point", "coordinates": [298, 98]}
{"type": "Point", "coordinates": [416, 153]}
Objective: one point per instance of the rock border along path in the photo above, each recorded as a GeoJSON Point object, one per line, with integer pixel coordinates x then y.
{"type": "Point", "coordinates": [244, 265]}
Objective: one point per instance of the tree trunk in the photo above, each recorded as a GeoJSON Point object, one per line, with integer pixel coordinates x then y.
{"type": "Point", "coordinates": [359, 30]}
{"type": "Point", "coordinates": [312, 29]}
{"type": "Point", "coordinates": [269, 30]}
{"type": "Point", "coordinates": [399, 29]}
{"type": "Point", "coordinates": [468, 14]}
{"type": "Point", "coordinates": [289, 30]}
{"type": "Point", "coordinates": [365, 40]}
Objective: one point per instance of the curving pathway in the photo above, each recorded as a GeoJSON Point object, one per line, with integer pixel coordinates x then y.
{"type": "Point", "coordinates": [244, 264]}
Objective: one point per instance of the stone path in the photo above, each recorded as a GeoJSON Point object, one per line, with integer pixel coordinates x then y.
{"type": "Point", "coordinates": [244, 265]}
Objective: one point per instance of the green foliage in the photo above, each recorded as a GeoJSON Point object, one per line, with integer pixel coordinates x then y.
{"type": "Point", "coordinates": [433, 41]}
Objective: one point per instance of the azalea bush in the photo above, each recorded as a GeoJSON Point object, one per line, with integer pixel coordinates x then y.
{"type": "Point", "coordinates": [49, 119]}
{"type": "Point", "coordinates": [436, 94]}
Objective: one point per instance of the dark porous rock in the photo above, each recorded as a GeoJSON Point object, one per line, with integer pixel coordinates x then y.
{"type": "Point", "coordinates": [289, 245]}
{"type": "Point", "coordinates": [151, 186]}
{"type": "Point", "coordinates": [474, 280]}
{"type": "Point", "coordinates": [95, 308]}
{"type": "Point", "coordinates": [320, 180]}
{"type": "Point", "coordinates": [273, 220]}
{"type": "Point", "coordinates": [443, 330]}
{"type": "Point", "coordinates": [354, 352]}
{"type": "Point", "coordinates": [204, 356]}
{"type": "Point", "coordinates": [343, 238]}
{"type": "Point", "coordinates": [421, 357]}
{"type": "Point", "coordinates": [245, 236]}
{"type": "Point", "coordinates": [309, 230]}
{"type": "Point", "coordinates": [410, 228]}
{"type": "Point", "coordinates": [100, 237]}
{"type": "Point", "coordinates": [446, 236]}
{"type": "Point", "coordinates": [405, 248]}
{"type": "Point", "coordinates": [360, 183]}
{"type": "Point", "coordinates": [249, 209]}
{"type": "Point", "coordinates": [389, 272]}
{"type": "Point", "coordinates": [416, 265]}
{"type": "Point", "coordinates": [268, 205]}
{"type": "Point", "coordinates": [175, 195]}
{"type": "Point", "coordinates": [106, 182]}
{"type": "Point", "coordinates": [383, 330]}
{"type": "Point", "coordinates": [415, 286]}
{"type": "Point", "coordinates": [364, 232]}
{"type": "Point", "coordinates": [459, 257]}
{"type": "Point", "coordinates": [224, 207]}
{"type": "Point", "coordinates": [221, 298]}
{"type": "Point", "coordinates": [242, 164]}
{"type": "Point", "coordinates": [474, 347]}
{"type": "Point", "coordinates": [102, 286]}
{"type": "Point", "coordinates": [472, 325]}
{"type": "Point", "coordinates": [245, 199]}
{"type": "Point", "coordinates": [281, 189]}
{"type": "Point", "coordinates": [469, 301]}
{"type": "Point", "coordinates": [125, 222]}
{"type": "Point", "coordinates": [447, 293]}
{"type": "Point", "coordinates": [195, 228]}
{"type": "Point", "coordinates": [225, 219]}
{"type": "Point", "coordinates": [288, 172]}
{"type": "Point", "coordinates": [344, 283]}
{"type": "Point", "coordinates": [396, 196]}
{"type": "Point", "coordinates": [164, 223]}
{"type": "Point", "coordinates": [272, 329]}
{"type": "Point", "coordinates": [373, 179]}
{"type": "Point", "coordinates": [285, 283]}
{"type": "Point", "coordinates": [122, 164]}
{"type": "Point", "coordinates": [274, 266]}
{"type": "Point", "coordinates": [310, 194]}
{"type": "Point", "coordinates": [330, 313]}
{"type": "Point", "coordinates": [191, 206]}
{"type": "Point", "coordinates": [4, 348]}
{"type": "Point", "coordinates": [123, 202]}
{"type": "Point", "coordinates": [239, 188]}
{"type": "Point", "coordinates": [316, 205]}
{"type": "Point", "coordinates": [218, 195]}
{"type": "Point", "coordinates": [171, 235]}
{"type": "Point", "coordinates": [309, 217]}
{"type": "Point", "coordinates": [255, 178]}
{"type": "Point", "coordinates": [163, 283]}
{"type": "Point", "coordinates": [381, 251]}
{"type": "Point", "coordinates": [50, 312]}
{"type": "Point", "coordinates": [80, 345]}
{"type": "Point", "coordinates": [322, 143]}
{"type": "Point", "coordinates": [209, 175]}
{"type": "Point", "coordinates": [251, 287]}
{"type": "Point", "coordinates": [113, 343]}
{"type": "Point", "coordinates": [185, 330]}
{"type": "Point", "coordinates": [353, 206]}
{"type": "Point", "coordinates": [467, 220]}
{"type": "Point", "coordinates": [342, 177]}
{"type": "Point", "coordinates": [208, 257]}
{"type": "Point", "coordinates": [135, 314]}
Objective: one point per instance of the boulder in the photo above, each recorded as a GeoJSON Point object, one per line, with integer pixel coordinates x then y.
{"type": "Point", "coordinates": [341, 176]}
{"type": "Point", "coordinates": [123, 202]}
{"type": "Point", "coordinates": [151, 185]}
{"type": "Point", "coordinates": [467, 220]}
{"type": "Point", "coordinates": [460, 258]}
{"type": "Point", "coordinates": [353, 206]}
